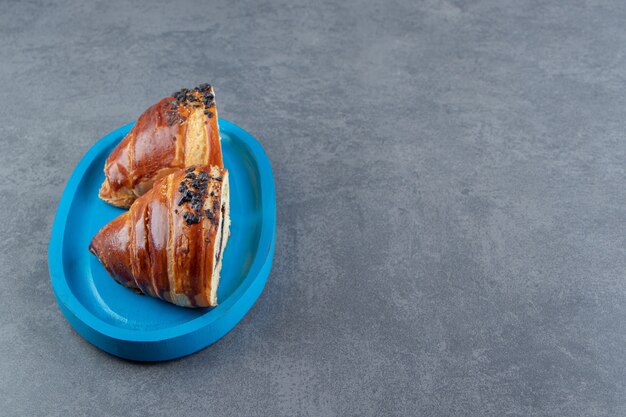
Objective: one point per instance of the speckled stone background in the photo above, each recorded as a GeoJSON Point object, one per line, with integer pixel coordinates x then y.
{"type": "Point", "coordinates": [451, 203]}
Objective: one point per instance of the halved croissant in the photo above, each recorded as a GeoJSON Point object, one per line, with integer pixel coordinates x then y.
{"type": "Point", "coordinates": [178, 132]}
{"type": "Point", "coordinates": [170, 243]}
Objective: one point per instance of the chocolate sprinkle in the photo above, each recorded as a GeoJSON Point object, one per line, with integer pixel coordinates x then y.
{"type": "Point", "coordinates": [186, 195]}
{"type": "Point", "coordinates": [191, 218]}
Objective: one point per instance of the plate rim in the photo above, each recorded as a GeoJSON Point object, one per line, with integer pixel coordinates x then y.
{"type": "Point", "coordinates": [259, 266]}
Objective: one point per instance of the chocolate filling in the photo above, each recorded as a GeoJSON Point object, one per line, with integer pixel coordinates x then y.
{"type": "Point", "coordinates": [219, 242]}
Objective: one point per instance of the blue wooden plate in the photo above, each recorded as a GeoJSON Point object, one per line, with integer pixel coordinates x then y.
{"type": "Point", "coordinates": [143, 328]}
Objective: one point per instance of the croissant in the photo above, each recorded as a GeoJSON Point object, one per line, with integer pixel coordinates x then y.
{"type": "Point", "coordinates": [170, 243]}
{"type": "Point", "coordinates": [177, 132]}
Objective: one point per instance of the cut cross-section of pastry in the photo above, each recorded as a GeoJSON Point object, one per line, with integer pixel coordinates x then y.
{"type": "Point", "coordinates": [170, 243]}
{"type": "Point", "coordinates": [178, 132]}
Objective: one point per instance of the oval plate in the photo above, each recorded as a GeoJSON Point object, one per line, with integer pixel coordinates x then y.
{"type": "Point", "coordinates": [142, 328]}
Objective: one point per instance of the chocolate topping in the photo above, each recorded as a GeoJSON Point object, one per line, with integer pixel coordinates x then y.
{"type": "Point", "coordinates": [198, 97]}
{"type": "Point", "coordinates": [194, 189]}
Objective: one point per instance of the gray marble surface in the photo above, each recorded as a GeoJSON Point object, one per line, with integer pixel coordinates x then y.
{"type": "Point", "coordinates": [451, 203]}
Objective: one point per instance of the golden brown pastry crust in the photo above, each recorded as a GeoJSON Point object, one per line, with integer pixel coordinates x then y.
{"type": "Point", "coordinates": [169, 244]}
{"type": "Point", "coordinates": [177, 132]}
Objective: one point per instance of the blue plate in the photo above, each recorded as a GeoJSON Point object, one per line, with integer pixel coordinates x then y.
{"type": "Point", "coordinates": [143, 328]}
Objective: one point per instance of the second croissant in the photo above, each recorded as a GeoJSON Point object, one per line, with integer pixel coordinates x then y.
{"type": "Point", "coordinates": [170, 243]}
